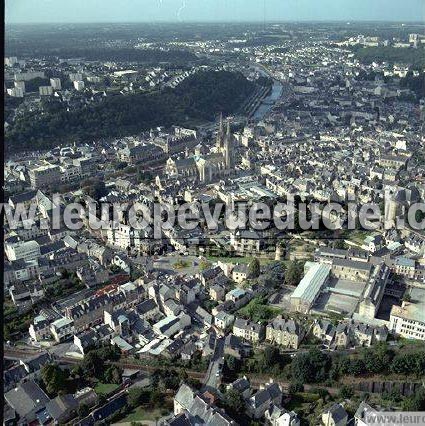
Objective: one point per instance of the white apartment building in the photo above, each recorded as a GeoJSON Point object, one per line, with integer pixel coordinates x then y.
{"type": "Point", "coordinates": [408, 320]}
{"type": "Point", "coordinates": [26, 250]}
{"type": "Point", "coordinates": [75, 76]}
{"type": "Point", "coordinates": [30, 75]}
{"type": "Point", "coordinates": [45, 90]}
{"type": "Point", "coordinates": [10, 61]}
{"type": "Point", "coordinates": [79, 85]}
{"type": "Point", "coordinates": [56, 83]}
{"type": "Point", "coordinates": [15, 92]}
{"type": "Point", "coordinates": [20, 85]}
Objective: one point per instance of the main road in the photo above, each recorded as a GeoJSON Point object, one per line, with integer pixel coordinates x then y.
{"type": "Point", "coordinates": [213, 375]}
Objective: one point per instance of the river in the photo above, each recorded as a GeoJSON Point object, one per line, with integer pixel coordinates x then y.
{"type": "Point", "coordinates": [268, 102]}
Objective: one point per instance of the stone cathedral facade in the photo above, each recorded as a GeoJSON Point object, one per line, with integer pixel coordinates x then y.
{"type": "Point", "coordinates": [207, 168]}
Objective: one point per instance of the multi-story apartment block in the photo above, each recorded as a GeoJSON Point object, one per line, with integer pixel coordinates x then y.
{"type": "Point", "coordinates": [408, 320]}
{"type": "Point", "coordinates": [25, 250]}
{"type": "Point", "coordinates": [43, 176]}
{"type": "Point", "coordinates": [56, 83]}
{"type": "Point", "coordinates": [45, 90]}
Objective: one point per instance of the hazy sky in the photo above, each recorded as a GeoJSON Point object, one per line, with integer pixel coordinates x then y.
{"type": "Point", "coordinates": [212, 10]}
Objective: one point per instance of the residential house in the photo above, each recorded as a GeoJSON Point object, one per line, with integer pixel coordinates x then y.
{"type": "Point", "coordinates": [147, 309]}
{"type": "Point", "coordinates": [238, 296]}
{"type": "Point", "coordinates": [362, 414]}
{"type": "Point", "coordinates": [283, 332]}
{"type": "Point", "coordinates": [335, 415]}
{"type": "Point", "coordinates": [248, 330]}
{"type": "Point", "coordinates": [27, 399]}
{"type": "Point", "coordinates": [342, 335]}
{"type": "Point", "coordinates": [241, 386]}
{"type": "Point", "coordinates": [324, 330]}
{"type": "Point", "coordinates": [62, 329]}
{"type": "Point", "coordinates": [223, 320]}
{"type": "Point", "coordinates": [39, 329]}
{"type": "Point", "coordinates": [172, 324]}
{"type": "Point", "coordinates": [62, 408]}
{"type": "Point", "coordinates": [191, 407]}
{"type": "Point", "coordinates": [240, 273]}
{"type": "Point", "coordinates": [235, 347]}
{"type": "Point", "coordinates": [207, 276]}
{"type": "Point", "coordinates": [278, 416]}
{"type": "Point", "coordinates": [263, 399]}
{"type": "Point", "coordinates": [217, 292]}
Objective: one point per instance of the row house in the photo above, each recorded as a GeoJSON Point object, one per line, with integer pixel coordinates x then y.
{"type": "Point", "coordinates": [248, 330]}
{"type": "Point", "coordinates": [283, 332]}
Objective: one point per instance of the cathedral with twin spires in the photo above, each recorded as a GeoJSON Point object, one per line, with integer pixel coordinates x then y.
{"type": "Point", "coordinates": [218, 164]}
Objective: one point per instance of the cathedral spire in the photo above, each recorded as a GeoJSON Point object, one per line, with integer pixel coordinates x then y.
{"type": "Point", "coordinates": [220, 134]}
{"type": "Point", "coordinates": [228, 148]}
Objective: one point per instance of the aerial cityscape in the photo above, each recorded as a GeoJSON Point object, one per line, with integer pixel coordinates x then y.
{"type": "Point", "coordinates": [214, 213]}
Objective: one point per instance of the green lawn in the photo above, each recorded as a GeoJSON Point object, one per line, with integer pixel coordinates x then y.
{"type": "Point", "coordinates": [105, 388]}
{"type": "Point", "coordinates": [357, 236]}
{"type": "Point", "coordinates": [257, 310]}
{"type": "Point", "coordinates": [140, 413]}
{"type": "Point", "coordinates": [301, 401]}
{"type": "Point", "coordinates": [181, 264]}
{"type": "Point", "coordinates": [410, 345]}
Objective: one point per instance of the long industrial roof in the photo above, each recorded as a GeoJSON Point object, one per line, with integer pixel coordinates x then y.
{"type": "Point", "coordinates": [313, 280]}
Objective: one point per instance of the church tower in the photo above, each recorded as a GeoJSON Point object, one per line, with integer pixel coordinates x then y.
{"type": "Point", "coordinates": [220, 135]}
{"type": "Point", "coordinates": [228, 148]}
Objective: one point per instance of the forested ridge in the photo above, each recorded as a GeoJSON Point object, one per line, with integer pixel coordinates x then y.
{"type": "Point", "coordinates": [200, 97]}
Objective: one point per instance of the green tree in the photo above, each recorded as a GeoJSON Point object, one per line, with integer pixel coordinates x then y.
{"type": "Point", "coordinates": [83, 411]}
{"type": "Point", "coordinates": [54, 378]}
{"type": "Point", "coordinates": [294, 273]}
{"type": "Point", "coordinates": [346, 392]}
{"type": "Point", "coordinates": [339, 244]}
{"type": "Point", "coordinates": [77, 371]}
{"type": "Point", "coordinates": [295, 387]}
{"type": "Point", "coordinates": [377, 359]}
{"type": "Point", "coordinates": [92, 364]}
{"type": "Point", "coordinates": [234, 402]}
{"type": "Point", "coordinates": [134, 395]}
{"type": "Point", "coordinates": [310, 367]}
{"type": "Point", "coordinates": [232, 366]}
{"type": "Point", "coordinates": [407, 297]}
{"type": "Point", "coordinates": [409, 363]}
{"type": "Point", "coordinates": [254, 268]}
{"type": "Point", "coordinates": [356, 367]}
{"type": "Point", "coordinates": [271, 355]}
{"type": "Point", "coordinates": [415, 402]}
{"type": "Point", "coordinates": [113, 375]}
{"type": "Point", "coordinates": [156, 398]}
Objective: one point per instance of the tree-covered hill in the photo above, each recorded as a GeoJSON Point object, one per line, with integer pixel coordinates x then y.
{"type": "Point", "coordinates": [200, 97]}
{"type": "Point", "coordinates": [415, 58]}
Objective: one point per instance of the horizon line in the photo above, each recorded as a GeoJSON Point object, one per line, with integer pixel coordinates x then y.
{"type": "Point", "coordinates": [261, 22]}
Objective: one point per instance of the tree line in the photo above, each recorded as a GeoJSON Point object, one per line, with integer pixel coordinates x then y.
{"type": "Point", "coordinates": [200, 97]}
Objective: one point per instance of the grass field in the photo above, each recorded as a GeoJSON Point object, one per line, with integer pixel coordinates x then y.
{"type": "Point", "coordinates": [140, 414]}
{"type": "Point", "coordinates": [301, 401]}
{"type": "Point", "coordinates": [105, 388]}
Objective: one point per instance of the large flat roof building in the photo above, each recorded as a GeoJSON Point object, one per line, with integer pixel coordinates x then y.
{"type": "Point", "coordinates": [408, 320]}
{"type": "Point", "coordinates": [309, 287]}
